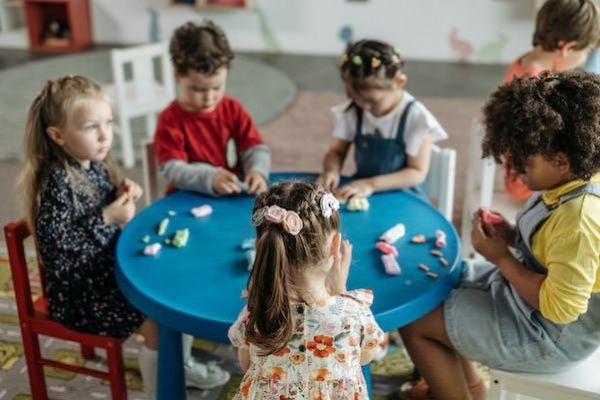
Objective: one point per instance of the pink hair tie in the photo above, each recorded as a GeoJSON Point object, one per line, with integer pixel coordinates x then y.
{"type": "Point", "coordinates": [290, 220]}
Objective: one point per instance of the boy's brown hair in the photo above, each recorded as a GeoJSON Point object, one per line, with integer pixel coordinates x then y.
{"type": "Point", "coordinates": [202, 48]}
{"type": "Point", "coordinates": [567, 21]}
{"type": "Point", "coordinates": [546, 115]}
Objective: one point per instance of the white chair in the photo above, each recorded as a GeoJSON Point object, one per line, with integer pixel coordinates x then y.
{"type": "Point", "coordinates": [579, 383]}
{"type": "Point", "coordinates": [440, 179]}
{"type": "Point", "coordinates": [142, 91]}
{"type": "Point", "coordinates": [479, 187]}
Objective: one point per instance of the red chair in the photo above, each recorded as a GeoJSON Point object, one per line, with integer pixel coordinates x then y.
{"type": "Point", "coordinates": [34, 320]}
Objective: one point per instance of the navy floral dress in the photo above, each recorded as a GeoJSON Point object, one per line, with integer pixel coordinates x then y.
{"type": "Point", "coordinates": [78, 252]}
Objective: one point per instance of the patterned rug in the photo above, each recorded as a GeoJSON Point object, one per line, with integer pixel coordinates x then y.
{"type": "Point", "coordinates": [388, 374]}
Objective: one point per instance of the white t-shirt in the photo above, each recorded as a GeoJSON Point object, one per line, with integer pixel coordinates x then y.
{"type": "Point", "coordinates": [419, 122]}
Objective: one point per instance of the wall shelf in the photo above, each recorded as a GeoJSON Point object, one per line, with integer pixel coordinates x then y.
{"type": "Point", "coordinates": [71, 18]}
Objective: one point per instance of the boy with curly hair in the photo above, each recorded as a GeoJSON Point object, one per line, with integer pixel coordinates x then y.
{"type": "Point", "coordinates": [536, 308]}
{"type": "Point", "coordinates": [566, 31]}
{"type": "Point", "coordinates": [193, 132]}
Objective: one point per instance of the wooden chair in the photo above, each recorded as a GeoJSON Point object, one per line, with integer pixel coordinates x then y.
{"type": "Point", "coordinates": [34, 321]}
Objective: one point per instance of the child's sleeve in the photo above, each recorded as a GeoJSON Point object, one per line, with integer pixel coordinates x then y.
{"type": "Point", "coordinates": [572, 263]}
{"type": "Point", "coordinates": [237, 331]}
{"type": "Point", "coordinates": [344, 121]}
{"type": "Point", "coordinates": [372, 335]}
{"type": "Point", "coordinates": [420, 122]}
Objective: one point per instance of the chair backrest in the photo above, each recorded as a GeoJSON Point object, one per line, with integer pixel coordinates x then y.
{"type": "Point", "coordinates": [151, 177]}
{"type": "Point", "coordinates": [15, 234]}
{"type": "Point", "coordinates": [440, 179]}
{"type": "Point", "coordinates": [479, 186]}
{"type": "Point", "coordinates": [137, 72]}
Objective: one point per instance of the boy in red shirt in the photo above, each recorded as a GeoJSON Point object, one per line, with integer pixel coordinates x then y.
{"type": "Point", "coordinates": [193, 131]}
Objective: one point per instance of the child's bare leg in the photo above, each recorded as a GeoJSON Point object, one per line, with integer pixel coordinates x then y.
{"type": "Point", "coordinates": [434, 356]}
{"type": "Point", "coordinates": [149, 330]}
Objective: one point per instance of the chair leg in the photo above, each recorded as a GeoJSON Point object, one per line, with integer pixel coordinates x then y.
{"type": "Point", "coordinates": [116, 370]}
{"type": "Point", "coordinates": [31, 346]}
{"type": "Point", "coordinates": [87, 352]}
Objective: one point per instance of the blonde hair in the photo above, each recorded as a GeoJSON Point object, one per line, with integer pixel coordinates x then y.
{"type": "Point", "coordinates": [280, 256]}
{"type": "Point", "coordinates": [54, 106]}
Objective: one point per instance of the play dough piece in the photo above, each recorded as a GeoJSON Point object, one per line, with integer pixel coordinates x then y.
{"type": "Point", "coordinates": [358, 204]}
{"type": "Point", "coordinates": [387, 248]}
{"type": "Point", "coordinates": [180, 238]}
{"type": "Point", "coordinates": [146, 239]}
{"type": "Point", "coordinates": [390, 264]}
{"type": "Point", "coordinates": [201, 211]}
{"type": "Point", "coordinates": [394, 233]}
{"type": "Point", "coordinates": [418, 239]}
{"type": "Point", "coordinates": [248, 244]}
{"type": "Point", "coordinates": [162, 227]}
{"type": "Point", "coordinates": [490, 217]}
{"type": "Point", "coordinates": [171, 213]}
{"type": "Point", "coordinates": [440, 238]}
{"type": "Point", "coordinates": [152, 249]}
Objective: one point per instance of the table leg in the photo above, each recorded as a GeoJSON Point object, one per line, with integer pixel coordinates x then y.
{"type": "Point", "coordinates": [171, 384]}
{"type": "Point", "coordinates": [366, 369]}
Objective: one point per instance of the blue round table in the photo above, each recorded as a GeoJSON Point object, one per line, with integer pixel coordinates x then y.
{"type": "Point", "coordinates": [197, 289]}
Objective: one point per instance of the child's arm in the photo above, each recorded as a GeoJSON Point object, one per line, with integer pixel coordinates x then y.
{"type": "Point", "coordinates": [333, 163]}
{"type": "Point", "coordinates": [244, 358]}
{"type": "Point", "coordinates": [526, 282]}
{"type": "Point", "coordinates": [256, 162]}
{"type": "Point", "coordinates": [413, 174]}
{"type": "Point", "coordinates": [200, 177]}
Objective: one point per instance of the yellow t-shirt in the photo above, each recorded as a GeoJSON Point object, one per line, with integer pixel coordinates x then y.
{"type": "Point", "coordinates": [568, 246]}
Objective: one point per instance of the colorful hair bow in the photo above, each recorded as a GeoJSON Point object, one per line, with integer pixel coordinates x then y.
{"type": "Point", "coordinates": [357, 60]}
{"type": "Point", "coordinates": [290, 220]}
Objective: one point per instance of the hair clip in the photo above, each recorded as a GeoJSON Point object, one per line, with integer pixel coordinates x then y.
{"type": "Point", "coordinates": [344, 58]}
{"type": "Point", "coordinates": [375, 62]}
{"type": "Point", "coordinates": [290, 220]}
{"type": "Point", "coordinates": [547, 75]}
{"type": "Point", "coordinates": [329, 204]}
{"type": "Point", "coordinates": [357, 60]}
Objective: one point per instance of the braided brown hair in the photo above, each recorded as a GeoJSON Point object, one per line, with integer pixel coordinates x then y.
{"type": "Point", "coordinates": [279, 258]}
{"type": "Point", "coordinates": [546, 115]}
{"type": "Point", "coordinates": [370, 58]}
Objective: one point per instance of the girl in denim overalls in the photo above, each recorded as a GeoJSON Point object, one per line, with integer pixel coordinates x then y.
{"type": "Point", "coordinates": [536, 308]}
{"type": "Point", "coordinates": [391, 131]}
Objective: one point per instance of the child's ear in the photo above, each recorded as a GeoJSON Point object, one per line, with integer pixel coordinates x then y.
{"type": "Point", "coordinates": [334, 248]}
{"type": "Point", "coordinates": [561, 161]}
{"type": "Point", "coordinates": [56, 135]}
{"type": "Point", "coordinates": [400, 80]}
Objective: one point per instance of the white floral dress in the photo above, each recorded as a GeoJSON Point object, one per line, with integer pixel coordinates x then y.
{"type": "Point", "coordinates": [322, 359]}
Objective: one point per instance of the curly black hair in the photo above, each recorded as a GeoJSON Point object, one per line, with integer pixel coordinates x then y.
{"type": "Point", "coordinates": [202, 48]}
{"type": "Point", "coordinates": [543, 116]}
{"type": "Point", "coordinates": [367, 58]}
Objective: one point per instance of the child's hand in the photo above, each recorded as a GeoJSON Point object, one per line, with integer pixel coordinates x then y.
{"type": "Point", "coordinates": [329, 179]}
{"type": "Point", "coordinates": [487, 242]}
{"type": "Point", "coordinates": [225, 182]}
{"type": "Point", "coordinates": [120, 211]}
{"type": "Point", "coordinates": [358, 188]}
{"type": "Point", "coordinates": [503, 229]}
{"type": "Point", "coordinates": [256, 182]}
{"type": "Point", "coordinates": [338, 275]}
{"type": "Point", "coordinates": [128, 186]}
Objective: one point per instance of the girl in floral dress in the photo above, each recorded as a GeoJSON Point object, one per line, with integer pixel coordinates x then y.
{"type": "Point", "coordinates": [302, 335]}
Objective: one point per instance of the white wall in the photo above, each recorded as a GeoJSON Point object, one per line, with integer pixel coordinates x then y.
{"type": "Point", "coordinates": [485, 30]}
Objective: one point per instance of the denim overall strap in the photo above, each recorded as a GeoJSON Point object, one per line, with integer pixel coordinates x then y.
{"type": "Point", "coordinates": [375, 155]}
{"type": "Point", "coordinates": [533, 216]}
